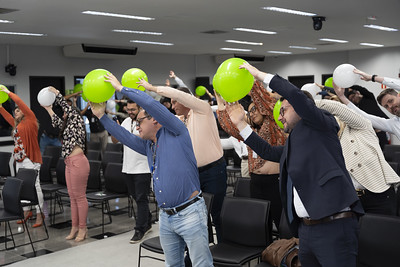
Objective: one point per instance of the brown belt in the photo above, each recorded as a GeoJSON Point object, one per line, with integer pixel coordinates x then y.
{"type": "Point", "coordinates": [340, 215]}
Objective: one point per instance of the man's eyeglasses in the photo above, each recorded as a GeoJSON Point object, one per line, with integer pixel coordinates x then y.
{"type": "Point", "coordinates": [139, 120]}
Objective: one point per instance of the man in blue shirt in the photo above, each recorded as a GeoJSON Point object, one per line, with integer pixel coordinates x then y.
{"type": "Point", "coordinates": [165, 141]}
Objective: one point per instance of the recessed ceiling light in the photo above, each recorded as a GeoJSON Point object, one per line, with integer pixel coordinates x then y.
{"type": "Point", "coordinates": [381, 28]}
{"type": "Point", "coordinates": [243, 42]}
{"type": "Point", "coordinates": [24, 33]}
{"type": "Point", "coordinates": [148, 42]}
{"type": "Point", "coordinates": [96, 13]}
{"type": "Point", "coordinates": [302, 47]}
{"type": "Point", "coordinates": [373, 45]}
{"type": "Point", "coordinates": [253, 30]}
{"type": "Point", "coordinates": [333, 40]}
{"type": "Point", "coordinates": [289, 11]}
{"type": "Point", "coordinates": [235, 49]}
{"type": "Point", "coordinates": [6, 21]}
{"type": "Point", "coordinates": [138, 32]}
{"type": "Point", "coordinates": [280, 52]}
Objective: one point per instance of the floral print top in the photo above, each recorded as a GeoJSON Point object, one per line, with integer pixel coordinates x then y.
{"type": "Point", "coordinates": [74, 133]}
{"type": "Point", "coordinates": [19, 151]}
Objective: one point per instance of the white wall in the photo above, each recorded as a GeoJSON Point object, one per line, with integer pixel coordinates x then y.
{"type": "Point", "coordinates": [50, 61]}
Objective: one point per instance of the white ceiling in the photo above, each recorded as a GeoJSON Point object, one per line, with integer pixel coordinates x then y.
{"type": "Point", "coordinates": [183, 23]}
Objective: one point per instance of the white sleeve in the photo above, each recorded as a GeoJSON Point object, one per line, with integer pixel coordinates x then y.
{"type": "Point", "coordinates": [392, 83]}
{"type": "Point", "coordinates": [246, 132]}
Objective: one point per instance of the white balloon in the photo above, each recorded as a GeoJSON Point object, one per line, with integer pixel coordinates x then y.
{"type": "Point", "coordinates": [312, 88]}
{"type": "Point", "coordinates": [110, 104]}
{"type": "Point", "coordinates": [343, 76]}
{"type": "Point", "coordinates": [45, 97]}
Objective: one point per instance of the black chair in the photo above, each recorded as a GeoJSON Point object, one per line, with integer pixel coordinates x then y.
{"type": "Point", "coordinates": [5, 163]}
{"type": "Point", "coordinates": [29, 193]}
{"type": "Point", "coordinates": [378, 240]}
{"type": "Point", "coordinates": [242, 188]}
{"type": "Point", "coordinates": [233, 172]}
{"type": "Point", "coordinates": [93, 155]}
{"type": "Point", "coordinates": [389, 151]}
{"type": "Point", "coordinates": [153, 244]}
{"type": "Point", "coordinates": [13, 209]}
{"type": "Point", "coordinates": [114, 147]}
{"type": "Point", "coordinates": [45, 170]}
{"type": "Point", "coordinates": [395, 166]}
{"type": "Point", "coordinates": [110, 157]}
{"type": "Point", "coordinates": [50, 190]}
{"type": "Point", "coordinates": [55, 153]}
{"type": "Point", "coordinates": [245, 231]}
{"type": "Point", "coordinates": [94, 146]}
{"type": "Point", "coordinates": [114, 187]}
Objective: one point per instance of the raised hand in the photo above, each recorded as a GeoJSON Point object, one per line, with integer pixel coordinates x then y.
{"type": "Point", "coordinates": [110, 78]}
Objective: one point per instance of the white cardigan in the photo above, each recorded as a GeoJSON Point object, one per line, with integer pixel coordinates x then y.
{"type": "Point", "coordinates": [362, 154]}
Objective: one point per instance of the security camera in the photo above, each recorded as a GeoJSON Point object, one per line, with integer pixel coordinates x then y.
{"type": "Point", "coordinates": [317, 22]}
{"type": "Point", "coordinates": [11, 69]}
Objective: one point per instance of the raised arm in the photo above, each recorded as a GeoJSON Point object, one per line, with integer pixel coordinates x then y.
{"type": "Point", "coordinates": [389, 82]}
{"type": "Point", "coordinates": [177, 79]}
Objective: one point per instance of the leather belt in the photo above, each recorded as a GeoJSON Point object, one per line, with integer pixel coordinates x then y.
{"type": "Point", "coordinates": [184, 206]}
{"type": "Point", "coordinates": [210, 165]}
{"type": "Point", "coordinates": [340, 215]}
{"type": "Point", "coordinates": [245, 157]}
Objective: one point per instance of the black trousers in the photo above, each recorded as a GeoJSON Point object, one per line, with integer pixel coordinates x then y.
{"type": "Point", "coordinates": [266, 186]}
{"type": "Point", "coordinates": [379, 203]}
{"type": "Point", "coordinates": [330, 244]}
{"type": "Point", "coordinates": [139, 188]}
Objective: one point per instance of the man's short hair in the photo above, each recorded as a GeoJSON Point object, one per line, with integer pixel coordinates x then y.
{"type": "Point", "coordinates": [388, 91]}
{"type": "Point", "coordinates": [130, 101]}
{"type": "Point", "coordinates": [145, 113]}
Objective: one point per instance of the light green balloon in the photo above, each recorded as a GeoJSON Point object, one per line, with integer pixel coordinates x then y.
{"type": "Point", "coordinates": [200, 90]}
{"type": "Point", "coordinates": [277, 110]}
{"type": "Point", "coordinates": [132, 76]}
{"type": "Point", "coordinates": [95, 88]}
{"type": "Point", "coordinates": [329, 82]}
{"type": "Point", "coordinates": [78, 87]}
{"type": "Point", "coordinates": [231, 82]}
{"type": "Point", "coordinates": [3, 95]}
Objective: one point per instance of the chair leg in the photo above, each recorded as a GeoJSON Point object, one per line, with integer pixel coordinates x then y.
{"type": "Point", "coordinates": [30, 239]}
{"type": "Point", "coordinates": [44, 223]}
{"type": "Point", "coordinates": [5, 235]}
{"type": "Point", "coordinates": [140, 254]}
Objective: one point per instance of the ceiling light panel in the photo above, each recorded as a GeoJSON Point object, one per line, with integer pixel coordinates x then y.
{"type": "Point", "coordinates": [333, 40]}
{"type": "Point", "coordinates": [243, 42]}
{"type": "Point", "coordinates": [148, 42]}
{"type": "Point", "coordinates": [373, 45]}
{"type": "Point", "coordinates": [24, 34]}
{"type": "Point", "coordinates": [235, 49]}
{"type": "Point", "coordinates": [302, 47]}
{"type": "Point", "coordinates": [96, 13]}
{"type": "Point", "coordinates": [138, 32]}
{"type": "Point", "coordinates": [381, 28]}
{"type": "Point", "coordinates": [289, 11]}
{"type": "Point", "coordinates": [280, 52]}
{"type": "Point", "coordinates": [254, 31]}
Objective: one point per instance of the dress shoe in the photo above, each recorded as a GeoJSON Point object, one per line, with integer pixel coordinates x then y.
{"type": "Point", "coordinates": [73, 233]}
{"type": "Point", "coordinates": [39, 222]}
{"type": "Point", "coordinates": [27, 216]}
{"type": "Point", "coordinates": [82, 235]}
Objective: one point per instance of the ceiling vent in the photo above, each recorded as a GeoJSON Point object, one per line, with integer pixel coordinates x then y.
{"type": "Point", "coordinates": [249, 58]}
{"type": "Point", "coordinates": [97, 51]}
{"type": "Point", "coordinates": [7, 10]}
{"type": "Point", "coordinates": [214, 32]}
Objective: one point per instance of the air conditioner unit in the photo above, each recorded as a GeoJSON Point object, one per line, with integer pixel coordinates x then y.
{"type": "Point", "coordinates": [97, 51]}
{"type": "Point", "coordinates": [249, 58]}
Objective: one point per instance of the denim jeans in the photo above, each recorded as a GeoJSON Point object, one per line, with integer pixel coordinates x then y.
{"type": "Point", "coordinates": [47, 141]}
{"type": "Point", "coordinates": [186, 228]}
{"type": "Point", "coordinates": [139, 188]}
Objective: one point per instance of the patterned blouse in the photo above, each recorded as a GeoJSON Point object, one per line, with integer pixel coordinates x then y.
{"type": "Point", "coordinates": [269, 130]}
{"type": "Point", "coordinates": [19, 151]}
{"type": "Point", "coordinates": [74, 133]}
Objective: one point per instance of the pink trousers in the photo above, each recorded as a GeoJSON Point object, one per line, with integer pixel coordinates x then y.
{"type": "Point", "coordinates": [76, 175]}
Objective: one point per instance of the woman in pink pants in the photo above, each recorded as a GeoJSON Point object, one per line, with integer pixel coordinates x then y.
{"type": "Point", "coordinates": [73, 138]}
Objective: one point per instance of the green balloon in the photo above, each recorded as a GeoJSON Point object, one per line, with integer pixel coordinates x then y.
{"type": "Point", "coordinates": [132, 76]}
{"type": "Point", "coordinates": [231, 82]}
{"type": "Point", "coordinates": [95, 88]}
{"type": "Point", "coordinates": [3, 95]}
{"type": "Point", "coordinates": [77, 88]}
{"type": "Point", "coordinates": [329, 82]}
{"type": "Point", "coordinates": [200, 90]}
{"type": "Point", "coordinates": [277, 110]}
{"type": "Point", "coordinates": [84, 97]}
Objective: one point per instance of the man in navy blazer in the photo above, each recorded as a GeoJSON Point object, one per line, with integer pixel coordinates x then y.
{"type": "Point", "coordinates": [317, 193]}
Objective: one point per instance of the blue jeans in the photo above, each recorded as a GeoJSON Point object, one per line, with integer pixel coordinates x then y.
{"type": "Point", "coordinates": [47, 141]}
{"type": "Point", "coordinates": [186, 228]}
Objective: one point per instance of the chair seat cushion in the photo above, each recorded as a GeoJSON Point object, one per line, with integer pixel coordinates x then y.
{"type": "Point", "coordinates": [231, 254]}
{"type": "Point", "coordinates": [51, 188]}
{"type": "Point", "coordinates": [153, 244]}
{"type": "Point", "coordinates": [7, 216]}
{"type": "Point", "coordinates": [103, 196]}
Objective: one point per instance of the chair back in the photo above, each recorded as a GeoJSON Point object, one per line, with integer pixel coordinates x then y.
{"type": "Point", "coordinates": [55, 153]}
{"type": "Point", "coordinates": [242, 187]}
{"type": "Point", "coordinates": [94, 180]}
{"type": "Point", "coordinates": [94, 146]}
{"type": "Point", "coordinates": [45, 173]}
{"type": "Point", "coordinates": [60, 171]}
{"type": "Point", "coordinates": [284, 229]}
{"type": "Point", "coordinates": [208, 199]}
{"type": "Point", "coordinates": [114, 147]}
{"type": "Point", "coordinates": [28, 191]}
{"type": "Point", "coordinates": [389, 151]}
{"type": "Point", "coordinates": [12, 197]}
{"type": "Point", "coordinates": [5, 163]}
{"type": "Point", "coordinates": [109, 156]}
{"type": "Point", "coordinates": [114, 181]}
{"type": "Point", "coordinates": [93, 155]}
{"type": "Point", "coordinates": [378, 240]}
{"type": "Point", "coordinates": [244, 221]}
